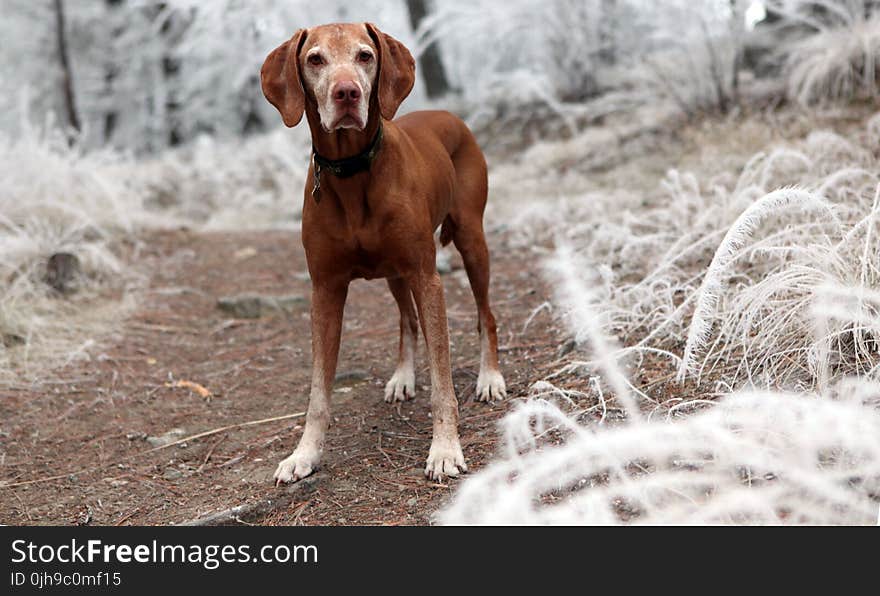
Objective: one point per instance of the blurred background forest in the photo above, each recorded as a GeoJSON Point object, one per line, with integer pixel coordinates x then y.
{"type": "Point", "coordinates": [145, 75]}
{"type": "Point", "coordinates": [696, 183]}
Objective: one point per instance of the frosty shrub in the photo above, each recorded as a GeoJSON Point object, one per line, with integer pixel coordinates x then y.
{"type": "Point", "coordinates": [838, 56]}
{"type": "Point", "coordinates": [538, 69]}
{"type": "Point", "coordinates": [727, 273]}
{"type": "Point", "coordinates": [56, 199]}
{"type": "Point", "coordinates": [693, 55]}
{"type": "Point", "coordinates": [59, 198]}
{"type": "Point", "coordinates": [237, 184]}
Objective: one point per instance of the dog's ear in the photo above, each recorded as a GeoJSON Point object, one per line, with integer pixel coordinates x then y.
{"type": "Point", "coordinates": [281, 81]}
{"type": "Point", "coordinates": [397, 71]}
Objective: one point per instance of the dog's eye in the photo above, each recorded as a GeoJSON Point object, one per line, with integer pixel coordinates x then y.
{"type": "Point", "coordinates": [365, 56]}
{"type": "Point", "coordinates": [316, 60]}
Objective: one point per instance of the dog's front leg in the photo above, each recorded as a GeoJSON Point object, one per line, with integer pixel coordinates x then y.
{"type": "Point", "coordinates": [445, 457]}
{"type": "Point", "coordinates": [328, 303]}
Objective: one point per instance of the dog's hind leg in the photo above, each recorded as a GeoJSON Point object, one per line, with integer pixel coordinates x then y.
{"type": "Point", "coordinates": [466, 231]}
{"type": "Point", "coordinates": [328, 303]}
{"type": "Point", "coordinates": [471, 243]}
{"type": "Point", "coordinates": [402, 385]}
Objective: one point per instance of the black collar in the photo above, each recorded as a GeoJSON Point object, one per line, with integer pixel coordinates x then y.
{"type": "Point", "coordinates": [349, 166]}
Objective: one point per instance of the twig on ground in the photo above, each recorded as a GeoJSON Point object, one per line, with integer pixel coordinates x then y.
{"type": "Point", "coordinates": [127, 516]}
{"type": "Point", "coordinates": [299, 511]}
{"type": "Point", "coordinates": [209, 454]}
{"type": "Point", "coordinates": [249, 512]}
{"type": "Point", "coordinates": [382, 451]}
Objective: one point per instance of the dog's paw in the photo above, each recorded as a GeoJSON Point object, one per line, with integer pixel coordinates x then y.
{"type": "Point", "coordinates": [490, 386]}
{"type": "Point", "coordinates": [300, 464]}
{"type": "Point", "coordinates": [445, 459]}
{"type": "Point", "coordinates": [402, 385]}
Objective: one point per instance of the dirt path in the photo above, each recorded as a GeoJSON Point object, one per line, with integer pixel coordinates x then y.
{"type": "Point", "coordinates": [103, 412]}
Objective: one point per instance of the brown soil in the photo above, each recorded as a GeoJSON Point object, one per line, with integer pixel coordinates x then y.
{"type": "Point", "coordinates": [89, 428]}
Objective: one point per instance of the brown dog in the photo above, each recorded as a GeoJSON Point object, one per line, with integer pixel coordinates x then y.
{"type": "Point", "coordinates": [376, 192]}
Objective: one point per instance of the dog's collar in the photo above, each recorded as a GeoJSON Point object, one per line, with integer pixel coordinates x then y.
{"type": "Point", "coordinates": [347, 166]}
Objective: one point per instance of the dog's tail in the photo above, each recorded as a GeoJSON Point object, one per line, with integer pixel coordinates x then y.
{"type": "Point", "coordinates": [447, 229]}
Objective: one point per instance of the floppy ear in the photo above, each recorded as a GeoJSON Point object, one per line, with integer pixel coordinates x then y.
{"type": "Point", "coordinates": [397, 71]}
{"type": "Point", "coordinates": [281, 81]}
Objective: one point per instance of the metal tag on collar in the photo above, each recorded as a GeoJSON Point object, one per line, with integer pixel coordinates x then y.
{"type": "Point", "coordinates": [316, 189]}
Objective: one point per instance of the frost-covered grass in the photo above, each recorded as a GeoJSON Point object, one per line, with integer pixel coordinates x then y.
{"type": "Point", "coordinates": [748, 251]}
{"type": "Point", "coordinates": [60, 199]}
{"type": "Point", "coordinates": [755, 457]}
{"type": "Point", "coordinates": [753, 295]}
{"type": "Point", "coordinates": [839, 56]}
{"type": "Point", "coordinates": [55, 199]}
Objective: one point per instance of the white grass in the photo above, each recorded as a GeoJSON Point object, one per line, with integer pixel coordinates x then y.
{"type": "Point", "coordinates": [768, 292]}
{"type": "Point", "coordinates": [725, 272]}
{"type": "Point", "coordinates": [731, 246]}
{"type": "Point", "coordinates": [839, 58]}
{"type": "Point", "coordinates": [752, 458]}
{"type": "Point", "coordinates": [253, 183]}
{"type": "Point", "coordinates": [577, 298]}
{"type": "Point", "coordinates": [55, 199]}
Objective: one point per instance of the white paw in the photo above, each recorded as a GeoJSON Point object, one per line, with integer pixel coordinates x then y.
{"type": "Point", "coordinates": [490, 385]}
{"type": "Point", "coordinates": [445, 459]}
{"type": "Point", "coordinates": [296, 467]}
{"type": "Point", "coordinates": [402, 385]}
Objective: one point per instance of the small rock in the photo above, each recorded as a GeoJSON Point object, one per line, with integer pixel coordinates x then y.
{"type": "Point", "coordinates": [351, 377]}
{"type": "Point", "coordinates": [172, 474]}
{"type": "Point", "coordinates": [242, 307]}
{"type": "Point", "coordinates": [253, 306]}
{"type": "Point", "coordinates": [62, 272]}
{"type": "Point", "coordinates": [412, 502]}
{"type": "Point", "coordinates": [168, 438]}
{"type": "Point", "coordinates": [10, 340]}
{"type": "Point", "coordinates": [566, 348]}
{"type": "Point", "coordinates": [287, 303]}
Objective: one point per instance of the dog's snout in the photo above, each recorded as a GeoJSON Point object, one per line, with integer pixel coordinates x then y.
{"type": "Point", "coordinates": [346, 93]}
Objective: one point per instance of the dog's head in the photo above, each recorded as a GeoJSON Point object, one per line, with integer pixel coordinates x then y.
{"type": "Point", "coordinates": [342, 70]}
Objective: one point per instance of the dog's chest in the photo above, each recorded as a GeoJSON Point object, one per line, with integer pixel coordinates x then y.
{"type": "Point", "coordinates": [354, 237]}
{"type": "Point", "coordinates": [370, 259]}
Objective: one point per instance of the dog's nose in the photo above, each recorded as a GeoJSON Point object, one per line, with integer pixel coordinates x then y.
{"type": "Point", "coordinates": [346, 93]}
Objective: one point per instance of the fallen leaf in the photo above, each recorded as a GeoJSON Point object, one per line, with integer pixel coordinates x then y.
{"type": "Point", "coordinates": [192, 386]}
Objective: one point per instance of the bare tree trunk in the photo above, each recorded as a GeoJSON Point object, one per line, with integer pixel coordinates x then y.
{"type": "Point", "coordinates": [111, 116]}
{"type": "Point", "coordinates": [171, 30]}
{"type": "Point", "coordinates": [67, 77]}
{"type": "Point", "coordinates": [608, 32]}
{"type": "Point", "coordinates": [430, 61]}
{"type": "Point", "coordinates": [715, 70]}
{"type": "Point", "coordinates": [737, 16]}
